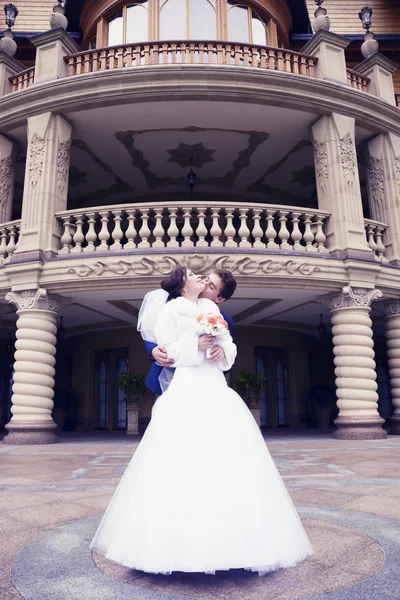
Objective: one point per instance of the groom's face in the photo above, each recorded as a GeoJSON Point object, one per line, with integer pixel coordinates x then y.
{"type": "Point", "coordinates": [213, 288]}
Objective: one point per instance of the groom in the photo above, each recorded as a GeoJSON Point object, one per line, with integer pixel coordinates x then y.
{"type": "Point", "coordinates": [220, 286]}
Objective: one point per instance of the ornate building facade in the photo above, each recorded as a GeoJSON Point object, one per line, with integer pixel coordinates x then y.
{"type": "Point", "coordinates": [287, 121]}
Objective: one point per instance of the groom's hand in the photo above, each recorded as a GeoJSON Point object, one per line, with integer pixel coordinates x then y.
{"type": "Point", "coordinates": [217, 354]}
{"type": "Point", "coordinates": [160, 356]}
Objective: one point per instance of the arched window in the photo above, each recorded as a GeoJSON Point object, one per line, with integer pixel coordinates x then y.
{"type": "Point", "coordinates": [129, 25]}
{"type": "Point", "coordinates": [188, 19]}
{"type": "Point", "coordinates": [244, 25]}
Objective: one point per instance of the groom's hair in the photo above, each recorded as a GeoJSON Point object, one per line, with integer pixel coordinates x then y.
{"type": "Point", "coordinates": [228, 284]}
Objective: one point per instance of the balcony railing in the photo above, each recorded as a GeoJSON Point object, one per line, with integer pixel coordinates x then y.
{"type": "Point", "coordinates": [190, 52]}
{"type": "Point", "coordinates": [374, 231]}
{"type": "Point", "coordinates": [357, 81]}
{"type": "Point", "coordinates": [22, 80]}
{"type": "Point", "coordinates": [397, 96]}
{"type": "Point", "coordinates": [9, 234]}
{"type": "Point", "coordinates": [181, 225]}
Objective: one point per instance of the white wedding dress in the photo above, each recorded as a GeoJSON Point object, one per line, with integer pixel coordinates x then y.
{"type": "Point", "coordinates": [201, 492]}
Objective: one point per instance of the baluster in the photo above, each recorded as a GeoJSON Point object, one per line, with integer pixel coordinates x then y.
{"type": "Point", "coordinates": [66, 238]}
{"type": "Point", "coordinates": [111, 58]}
{"type": "Point", "coordinates": [71, 67]}
{"type": "Point", "coordinates": [201, 229]}
{"type": "Point", "coordinates": [128, 56]}
{"type": "Point", "coordinates": [172, 230]}
{"type": "Point", "coordinates": [370, 238]}
{"type": "Point", "coordinates": [295, 68]}
{"type": "Point", "coordinates": [86, 63]}
{"type": "Point", "coordinates": [104, 234]}
{"type": "Point", "coordinates": [257, 232]}
{"type": "Point", "coordinates": [308, 236]}
{"type": "Point", "coordinates": [270, 233]}
{"type": "Point", "coordinates": [296, 233]}
{"type": "Point", "coordinates": [78, 237]}
{"type": "Point", "coordinates": [255, 60]}
{"type": "Point", "coordinates": [310, 67]}
{"type": "Point", "coordinates": [263, 58]}
{"type": "Point", "coordinates": [320, 237]}
{"type": "Point", "coordinates": [103, 60]}
{"type": "Point", "coordinates": [187, 230]}
{"type": "Point", "coordinates": [144, 232]}
{"type": "Point", "coordinates": [11, 244]}
{"type": "Point", "coordinates": [238, 55]}
{"type": "Point", "coordinates": [230, 231]}
{"type": "Point", "coordinates": [280, 62]}
{"type": "Point", "coordinates": [91, 236]}
{"type": "Point", "coordinates": [79, 64]}
{"type": "Point", "coordinates": [244, 231]}
{"type": "Point", "coordinates": [117, 233]}
{"type": "Point", "coordinates": [95, 62]}
{"type": "Point", "coordinates": [3, 245]}
{"type": "Point", "coordinates": [246, 56]}
{"type": "Point", "coordinates": [271, 59]}
{"type": "Point", "coordinates": [283, 233]}
{"type": "Point", "coordinates": [288, 62]}
{"type": "Point", "coordinates": [158, 230]}
{"type": "Point", "coordinates": [131, 232]}
{"type": "Point", "coordinates": [216, 230]}
{"type": "Point", "coordinates": [380, 246]}
{"type": "Point", "coordinates": [303, 65]}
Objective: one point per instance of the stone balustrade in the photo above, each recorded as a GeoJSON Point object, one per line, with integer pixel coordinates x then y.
{"type": "Point", "coordinates": [357, 81]}
{"type": "Point", "coordinates": [22, 80]}
{"type": "Point", "coordinates": [190, 52]}
{"type": "Point", "coordinates": [374, 231]}
{"type": "Point", "coordinates": [181, 225]}
{"type": "Point", "coordinates": [9, 233]}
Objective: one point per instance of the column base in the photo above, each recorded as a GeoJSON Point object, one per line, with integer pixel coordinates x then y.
{"type": "Point", "coordinates": [359, 428]}
{"type": "Point", "coordinates": [31, 433]}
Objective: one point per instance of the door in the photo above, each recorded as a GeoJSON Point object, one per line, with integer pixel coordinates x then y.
{"type": "Point", "coordinates": [274, 401]}
{"type": "Point", "coordinates": [109, 401]}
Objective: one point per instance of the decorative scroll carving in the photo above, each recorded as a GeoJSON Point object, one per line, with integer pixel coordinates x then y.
{"type": "Point", "coordinates": [6, 177]}
{"type": "Point", "coordinates": [63, 157]}
{"type": "Point", "coordinates": [347, 158]}
{"type": "Point", "coordinates": [35, 300]}
{"type": "Point", "coordinates": [37, 151]}
{"type": "Point", "coordinates": [397, 169]}
{"type": "Point", "coordinates": [321, 164]}
{"type": "Point", "coordinates": [351, 298]}
{"type": "Point", "coordinates": [376, 180]}
{"type": "Point", "coordinates": [164, 265]}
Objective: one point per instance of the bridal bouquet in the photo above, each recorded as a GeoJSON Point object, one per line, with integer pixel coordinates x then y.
{"type": "Point", "coordinates": [211, 324]}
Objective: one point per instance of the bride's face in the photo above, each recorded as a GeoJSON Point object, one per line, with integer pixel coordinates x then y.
{"type": "Point", "coordinates": [194, 283]}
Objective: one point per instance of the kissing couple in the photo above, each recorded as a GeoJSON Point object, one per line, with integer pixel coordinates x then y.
{"type": "Point", "coordinates": [201, 493]}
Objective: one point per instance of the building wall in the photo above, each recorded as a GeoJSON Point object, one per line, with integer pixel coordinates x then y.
{"type": "Point", "coordinates": [344, 15]}
{"type": "Point", "coordinates": [33, 15]}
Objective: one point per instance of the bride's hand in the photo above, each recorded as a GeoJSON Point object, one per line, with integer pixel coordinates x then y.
{"type": "Point", "coordinates": [217, 354]}
{"type": "Point", "coordinates": [205, 342]}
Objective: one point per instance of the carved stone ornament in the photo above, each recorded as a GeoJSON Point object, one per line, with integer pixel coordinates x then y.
{"type": "Point", "coordinates": [348, 158]}
{"type": "Point", "coordinates": [351, 298]}
{"type": "Point", "coordinates": [6, 177]}
{"type": "Point", "coordinates": [35, 300]}
{"type": "Point", "coordinates": [37, 151]}
{"type": "Point", "coordinates": [200, 264]}
{"type": "Point", "coordinates": [389, 308]}
{"type": "Point", "coordinates": [321, 164]}
{"type": "Point", "coordinates": [63, 157]}
{"type": "Point", "coordinates": [397, 170]}
{"type": "Point", "coordinates": [376, 180]}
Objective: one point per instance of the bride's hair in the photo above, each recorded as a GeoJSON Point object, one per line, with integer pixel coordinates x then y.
{"type": "Point", "coordinates": [175, 283]}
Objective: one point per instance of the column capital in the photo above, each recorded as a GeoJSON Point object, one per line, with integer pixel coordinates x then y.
{"type": "Point", "coordinates": [389, 308]}
{"type": "Point", "coordinates": [350, 297]}
{"type": "Point", "coordinates": [36, 300]}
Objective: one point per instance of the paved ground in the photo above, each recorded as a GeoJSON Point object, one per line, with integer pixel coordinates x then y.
{"type": "Point", "coordinates": [52, 497]}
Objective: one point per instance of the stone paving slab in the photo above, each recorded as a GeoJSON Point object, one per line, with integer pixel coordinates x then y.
{"type": "Point", "coordinates": [52, 497]}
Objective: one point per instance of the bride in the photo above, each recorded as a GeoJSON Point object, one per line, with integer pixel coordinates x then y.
{"type": "Point", "coordinates": [201, 492]}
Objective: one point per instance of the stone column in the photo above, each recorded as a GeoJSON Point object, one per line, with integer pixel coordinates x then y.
{"type": "Point", "coordinates": [355, 365]}
{"type": "Point", "coordinates": [32, 400]}
{"type": "Point", "coordinates": [338, 185]}
{"type": "Point", "coordinates": [45, 185]}
{"type": "Point", "coordinates": [384, 189]}
{"type": "Point", "coordinates": [7, 159]}
{"type": "Point", "coordinates": [391, 311]}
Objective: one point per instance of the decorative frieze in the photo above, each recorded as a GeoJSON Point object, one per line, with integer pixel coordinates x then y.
{"type": "Point", "coordinates": [348, 158]}
{"type": "Point", "coordinates": [376, 180]}
{"type": "Point", "coordinates": [6, 178]}
{"type": "Point", "coordinates": [63, 158]}
{"type": "Point", "coordinates": [37, 152]}
{"type": "Point", "coordinates": [351, 298]}
{"type": "Point", "coordinates": [200, 264]}
{"type": "Point", "coordinates": [35, 300]}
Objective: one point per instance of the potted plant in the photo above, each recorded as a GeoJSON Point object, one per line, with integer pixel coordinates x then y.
{"type": "Point", "coordinates": [250, 385]}
{"type": "Point", "coordinates": [134, 388]}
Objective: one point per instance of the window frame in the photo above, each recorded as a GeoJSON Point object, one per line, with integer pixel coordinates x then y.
{"type": "Point", "coordinates": [162, 3]}
{"type": "Point", "coordinates": [250, 11]}
{"type": "Point", "coordinates": [124, 9]}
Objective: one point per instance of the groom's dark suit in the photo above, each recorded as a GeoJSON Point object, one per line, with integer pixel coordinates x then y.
{"type": "Point", "coordinates": [152, 382]}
